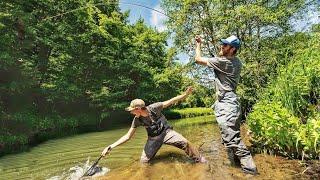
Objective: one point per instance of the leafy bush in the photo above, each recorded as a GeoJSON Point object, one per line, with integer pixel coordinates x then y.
{"type": "Point", "coordinates": [273, 127]}
{"type": "Point", "coordinates": [308, 142]}
{"type": "Point", "coordinates": [11, 143]}
{"type": "Point", "coordinates": [38, 122]}
{"type": "Point", "coordinates": [14, 139]}
{"type": "Point", "coordinates": [287, 117]}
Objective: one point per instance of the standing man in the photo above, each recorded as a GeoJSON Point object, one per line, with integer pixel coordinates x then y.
{"type": "Point", "coordinates": [158, 130]}
{"type": "Point", "coordinates": [227, 69]}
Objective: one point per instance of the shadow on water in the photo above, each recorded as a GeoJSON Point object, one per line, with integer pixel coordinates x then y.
{"type": "Point", "coordinates": [67, 157]}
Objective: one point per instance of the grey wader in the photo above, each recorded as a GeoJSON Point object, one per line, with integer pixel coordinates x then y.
{"type": "Point", "coordinates": [227, 110]}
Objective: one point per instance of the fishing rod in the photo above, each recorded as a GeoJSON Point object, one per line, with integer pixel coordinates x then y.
{"type": "Point", "coordinates": [93, 168]}
{"type": "Point", "coordinates": [91, 171]}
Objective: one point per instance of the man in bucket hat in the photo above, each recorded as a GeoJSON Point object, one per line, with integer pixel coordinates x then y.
{"type": "Point", "coordinates": [226, 68]}
{"type": "Point", "coordinates": [158, 130]}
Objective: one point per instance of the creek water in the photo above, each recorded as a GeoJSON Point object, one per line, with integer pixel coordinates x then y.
{"type": "Point", "coordinates": [69, 157]}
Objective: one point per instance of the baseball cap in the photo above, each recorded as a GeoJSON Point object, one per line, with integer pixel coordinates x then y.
{"type": "Point", "coordinates": [232, 41]}
{"type": "Point", "coordinates": [136, 103]}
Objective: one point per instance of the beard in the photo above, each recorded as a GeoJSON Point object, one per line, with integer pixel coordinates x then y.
{"type": "Point", "coordinates": [221, 53]}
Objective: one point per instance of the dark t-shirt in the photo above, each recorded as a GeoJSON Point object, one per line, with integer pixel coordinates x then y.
{"type": "Point", "coordinates": [155, 123]}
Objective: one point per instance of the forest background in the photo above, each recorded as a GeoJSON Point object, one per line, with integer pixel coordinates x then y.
{"type": "Point", "coordinates": [62, 73]}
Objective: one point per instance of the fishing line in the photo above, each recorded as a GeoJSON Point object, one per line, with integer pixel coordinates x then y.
{"type": "Point", "coordinates": [104, 4]}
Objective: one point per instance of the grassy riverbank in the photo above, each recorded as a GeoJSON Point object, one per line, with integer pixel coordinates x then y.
{"type": "Point", "coordinates": [188, 112]}
{"type": "Point", "coordinates": [193, 121]}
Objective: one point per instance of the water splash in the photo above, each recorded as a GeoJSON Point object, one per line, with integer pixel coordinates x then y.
{"type": "Point", "coordinates": [76, 172]}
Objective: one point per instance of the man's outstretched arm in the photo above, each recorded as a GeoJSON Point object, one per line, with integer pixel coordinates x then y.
{"type": "Point", "coordinates": [177, 98]}
{"type": "Point", "coordinates": [199, 59]}
{"type": "Point", "coordinates": [120, 141]}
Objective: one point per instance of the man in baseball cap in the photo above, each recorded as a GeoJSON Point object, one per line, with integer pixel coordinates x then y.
{"type": "Point", "coordinates": [158, 130]}
{"type": "Point", "coordinates": [233, 41]}
{"type": "Point", "coordinates": [136, 103]}
{"type": "Point", "coordinates": [226, 68]}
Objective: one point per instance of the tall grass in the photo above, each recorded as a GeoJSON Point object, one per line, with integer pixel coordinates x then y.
{"type": "Point", "coordinates": [187, 112]}
{"type": "Point", "coordinates": [193, 121]}
{"type": "Point", "coordinates": [287, 117]}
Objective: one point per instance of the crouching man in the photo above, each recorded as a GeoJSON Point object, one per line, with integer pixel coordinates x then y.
{"type": "Point", "coordinates": [158, 130]}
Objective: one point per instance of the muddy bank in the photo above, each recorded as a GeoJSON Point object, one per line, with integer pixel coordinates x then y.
{"type": "Point", "coordinates": [175, 168]}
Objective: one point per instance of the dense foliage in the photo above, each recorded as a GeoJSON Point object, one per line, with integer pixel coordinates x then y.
{"type": "Point", "coordinates": [258, 24]}
{"type": "Point", "coordinates": [70, 64]}
{"type": "Point", "coordinates": [67, 64]}
{"type": "Point", "coordinates": [280, 76]}
{"type": "Point", "coordinates": [287, 117]}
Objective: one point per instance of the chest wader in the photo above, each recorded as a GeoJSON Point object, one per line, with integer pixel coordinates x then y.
{"type": "Point", "coordinates": [156, 133]}
{"type": "Point", "coordinates": [227, 111]}
{"type": "Point", "coordinates": [157, 125]}
{"type": "Point", "coordinates": [161, 133]}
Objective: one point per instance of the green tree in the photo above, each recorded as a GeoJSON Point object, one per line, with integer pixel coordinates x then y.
{"type": "Point", "coordinates": [257, 23]}
{"type": "Point", "coordinates": [90, 54]}
{"type": "Point", "coordinates": [60, 60]}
